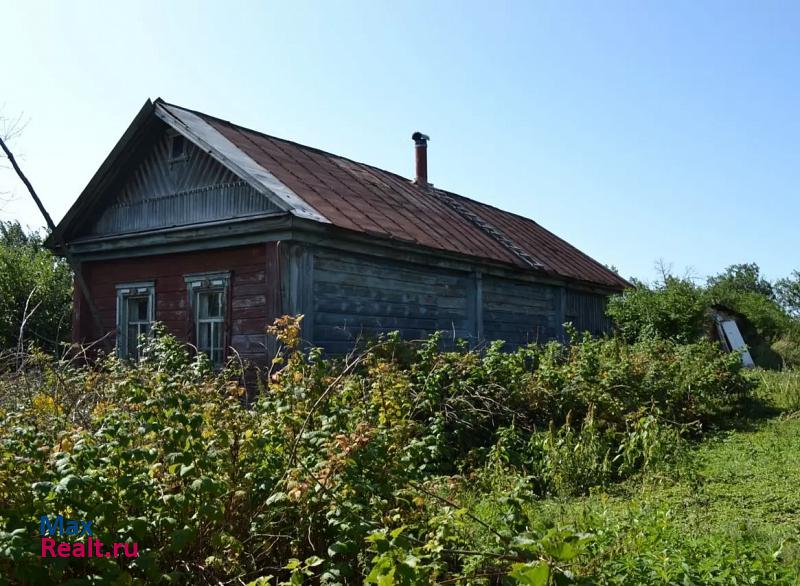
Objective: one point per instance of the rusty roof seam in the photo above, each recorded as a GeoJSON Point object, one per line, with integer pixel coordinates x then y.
{"type": "Point", "coordinates": [577, 258]}
{"type": "Point", "coordinates": [493, 232]}
{"type": "Point", "coordinates": [313, 188]}
{"type": "Point", "coordinates": [289, 171]}
{"type": "Point", "coordinates": [399, 209]}
{"type": "Point", "coordinates": [396, 183]}
{"type": "Point", "coordinates": [325, 181]}
{"type": "Point", "coordinates": [425, 220]}
{"type": "Point", "coordinates": [580, 260]}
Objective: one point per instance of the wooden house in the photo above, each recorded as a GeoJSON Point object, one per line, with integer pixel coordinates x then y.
{"type": "Point", "coordinates": [215, 230]}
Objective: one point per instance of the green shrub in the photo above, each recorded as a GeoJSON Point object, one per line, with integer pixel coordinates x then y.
{"type": "Point", "coordinates": [340, 470]}
{"type": "Point", "coordinates": [674, 309]}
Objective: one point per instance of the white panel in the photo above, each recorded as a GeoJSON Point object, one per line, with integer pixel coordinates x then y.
{"type": "Point", "coordinates": [737, 342]}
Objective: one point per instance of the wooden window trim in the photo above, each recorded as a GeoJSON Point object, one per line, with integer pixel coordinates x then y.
{"type": "Point", "coordinates": [124, 292]}
{"type": "Point", "coordinates": [211, 282]}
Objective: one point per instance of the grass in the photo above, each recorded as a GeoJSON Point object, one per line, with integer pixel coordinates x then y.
{"type": "Point", "coordinates": [781, 388]}
{"type": "Point", "coordinates": [738, 492]}
{"type": "Point", "coordinates": [728, 513]}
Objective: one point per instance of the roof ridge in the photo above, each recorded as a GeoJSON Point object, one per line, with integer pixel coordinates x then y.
{"type": "Point", "coordinates": [289, 141]}
{"type": "Point", "coordinates": [488, 228]}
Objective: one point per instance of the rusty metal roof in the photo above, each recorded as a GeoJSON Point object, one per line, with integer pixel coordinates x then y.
{"type": "Point", "coordinates": [323, 187]}
{"type": "Point", "coordinates": [363, 198]}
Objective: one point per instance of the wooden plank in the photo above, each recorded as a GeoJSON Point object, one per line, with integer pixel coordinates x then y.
{"type": "Point", "coordinates": [354, 295]}
{"type": "Point", "coordinates": [350, 306]}
{"type": "Point", "coordinates": [391, 279]}
{"type": "Point", "coordinates": [388, 321]}
{"type": "Point", "coordinates": [249, 301]}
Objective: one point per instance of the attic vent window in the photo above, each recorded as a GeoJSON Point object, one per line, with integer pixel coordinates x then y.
{"type": "Point", "coordinates": [177, 149]}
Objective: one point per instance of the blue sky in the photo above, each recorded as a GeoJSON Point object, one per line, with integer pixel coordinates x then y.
{"type": "Point", "coordinates": [635, 130]}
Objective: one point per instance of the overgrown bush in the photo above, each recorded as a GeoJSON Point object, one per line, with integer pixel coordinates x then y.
{"type": "Point", "coordinates": [343, 470]}
{"type": "Point", "coordinates": [678, 309]}
{"type": "Point", "coordinates": [35, 290]}
{"type": "Point", "coordinates": [788, 348]}
{"type": "Point", "coordinates": [674, 309]}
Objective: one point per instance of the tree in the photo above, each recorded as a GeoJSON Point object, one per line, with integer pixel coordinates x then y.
{"type": "Point", "coordinates": [35, 283]}
{"type": "Point", "coordinates": [741, 278]}
{"type": "Point", "coordinates": [788, 292]}
{"type": "Point", "coordinates": [70, 262]}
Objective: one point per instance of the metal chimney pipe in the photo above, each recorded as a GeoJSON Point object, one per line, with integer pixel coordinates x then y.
{"type": "Point", "coordinates": [421, 150]}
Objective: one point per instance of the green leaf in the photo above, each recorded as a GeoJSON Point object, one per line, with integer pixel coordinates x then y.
{"type": "Point", "coordinates": [531, 574]}
{"type": "Point", "coordinates": [181, 538]}
{"type": "Point", "coordinates": [396, 532]}
{"type": "Point", "coordinates": [563, 551]}
{"type": "Point", "coordinates": [337, 548]}
{"type": "Point", "coordinates": [277, 497]}
{"type": "Point", "coordinates": [203, 483]}
{"type": "Point", "coordinates": [376, 537]}
{"type": "Point", "coordinates": [313, 561]}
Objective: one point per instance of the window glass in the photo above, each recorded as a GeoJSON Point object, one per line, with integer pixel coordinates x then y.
{"type": "Point", "coordinates": [210, 324]}
{"type": "Point", "coordinates": [134, 317]}
{"type": "Point", "coordinates": [208, 293]}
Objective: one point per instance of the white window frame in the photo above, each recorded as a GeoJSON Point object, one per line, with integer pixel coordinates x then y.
{"type": "Point", "coordinates": [124, 292]}
{"type": "Point", "coordinates": [214, 282]}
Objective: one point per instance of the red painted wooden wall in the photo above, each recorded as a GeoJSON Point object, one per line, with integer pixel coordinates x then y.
{"type": "Point", "coordinates": [253, 303]}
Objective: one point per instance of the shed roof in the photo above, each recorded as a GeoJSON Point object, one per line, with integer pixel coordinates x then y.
{"type": "Point", "coordinates": [354, 196]}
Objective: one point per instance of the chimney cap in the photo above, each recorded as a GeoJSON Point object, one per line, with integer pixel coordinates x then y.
{"type": "Point", "coordinates": [419, 138]}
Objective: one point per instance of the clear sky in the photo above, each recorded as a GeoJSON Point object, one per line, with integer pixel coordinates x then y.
{"type": "Point", "coordinates": [635, 130]}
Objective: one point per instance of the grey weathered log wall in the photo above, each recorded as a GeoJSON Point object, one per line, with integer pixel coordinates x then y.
{"type": "Point", "coordinates": [587, 312]}
{"type": "Point", "coordinates": [360, 297]}
{"type": "Point", "coordinates": [346, 296]}
{"type": "Point", "coordinates": [520, 312]}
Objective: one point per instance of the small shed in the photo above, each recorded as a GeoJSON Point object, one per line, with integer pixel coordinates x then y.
{"type": "Point", "coordinates": [216, 230]}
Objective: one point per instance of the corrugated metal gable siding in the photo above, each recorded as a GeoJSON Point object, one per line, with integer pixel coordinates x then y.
{"type": "Point", "coordinates": [354, 297]}
{"type": "Point", "coordinates": [520, 312]}
{"type": "Point", "coordinates": [161, 193]}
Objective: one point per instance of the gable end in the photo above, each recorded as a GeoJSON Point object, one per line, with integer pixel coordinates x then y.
{"type": "Point", "coordinates": [165, 190]}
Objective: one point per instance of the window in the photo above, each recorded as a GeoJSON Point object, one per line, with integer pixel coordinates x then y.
{"type": "Point", "coordinates": [208, 293]}
{"type": "Point", "coordinates": [135, 315]}
{"type": "Point", "coordinates": [177, 149]}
